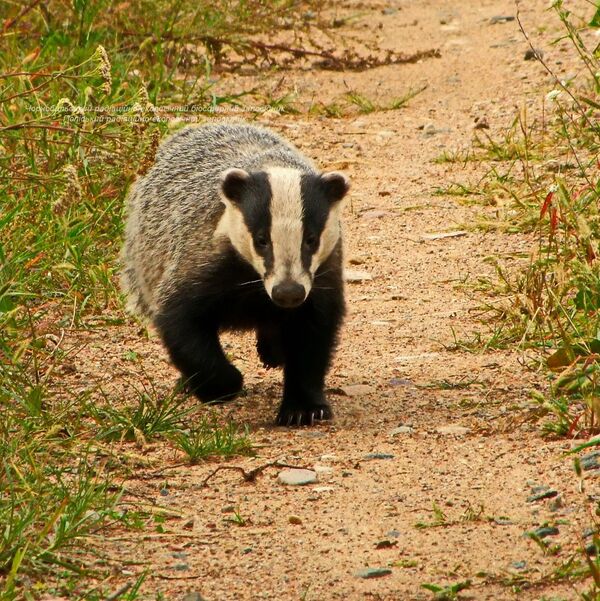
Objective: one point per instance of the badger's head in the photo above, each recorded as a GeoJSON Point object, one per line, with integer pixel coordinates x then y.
{"type": "Point", "coordinates": [285, 223]}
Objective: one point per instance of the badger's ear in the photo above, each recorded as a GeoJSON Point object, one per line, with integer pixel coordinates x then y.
{"type": "Point", "coordinates": [233, 184]}
{"type": "Point", "coordinates": [335, 184]}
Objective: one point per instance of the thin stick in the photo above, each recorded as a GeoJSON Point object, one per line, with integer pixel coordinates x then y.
{"type": "Point", "coordinates": [120, 592]}
{"type": "Point", "coordinates": [251, 475]}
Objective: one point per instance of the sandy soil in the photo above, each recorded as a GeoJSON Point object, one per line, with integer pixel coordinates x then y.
{"type": "Point", "coordinates": [308, 542]}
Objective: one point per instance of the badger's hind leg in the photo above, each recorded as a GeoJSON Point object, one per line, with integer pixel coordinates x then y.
{"type": "Point", "coordinates": [269, 345]}
{"type": "Point", "coordinates": [194, 347]}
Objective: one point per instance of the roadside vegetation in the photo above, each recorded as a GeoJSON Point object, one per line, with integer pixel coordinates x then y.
{"type": "Point", "coordinates": [544, 181]}
{"type": "Point", "coordinates": [79, 86]}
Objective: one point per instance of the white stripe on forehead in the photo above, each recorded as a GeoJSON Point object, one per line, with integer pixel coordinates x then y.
{"type": "Point", "coordinates": [286, 222]}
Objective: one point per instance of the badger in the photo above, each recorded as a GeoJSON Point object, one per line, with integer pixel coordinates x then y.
{"type": "Point", "coordinates": [232, 228]}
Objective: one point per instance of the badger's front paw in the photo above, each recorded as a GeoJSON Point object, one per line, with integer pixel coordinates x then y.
{"type": "Point", "coordinates": [303, 414]}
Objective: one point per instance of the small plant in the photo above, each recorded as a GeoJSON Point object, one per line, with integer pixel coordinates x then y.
{"type": "Point", "coordinates": [210, 438]}
{"type": "Point", "coordinates": [363, 104]}
{"type": "Point", "coordinates": [237, 518]}
{"type": "Point", "coordinates": [447, 593]}
{"type": "Point", "coordinates": [546, 547]}
{"type": "Point", "coordinates": [152, 416]}
{"type": "Point", "coordinates": [366, 105]}
{"type": "Point", "coordinates": [439, 519]}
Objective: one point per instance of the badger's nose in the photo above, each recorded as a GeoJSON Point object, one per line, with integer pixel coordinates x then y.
{"type": "Point", "coordinates": [288, 294]}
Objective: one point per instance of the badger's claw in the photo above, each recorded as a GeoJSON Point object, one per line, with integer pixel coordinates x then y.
{"type": "Point", "coordinates": [295, 416]}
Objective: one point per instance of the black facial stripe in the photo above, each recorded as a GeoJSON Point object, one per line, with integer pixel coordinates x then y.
{"type": "Point", "coordinates": [316, 212]}
{"type": "Point", "coordinates": [255, 206]}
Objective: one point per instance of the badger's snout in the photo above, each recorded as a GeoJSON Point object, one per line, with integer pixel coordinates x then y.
{"type": "Point", "coordinates": [288, 294]}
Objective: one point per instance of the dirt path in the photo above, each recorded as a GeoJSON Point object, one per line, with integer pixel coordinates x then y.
{"type": "Point", "coordinates": [309, 542]}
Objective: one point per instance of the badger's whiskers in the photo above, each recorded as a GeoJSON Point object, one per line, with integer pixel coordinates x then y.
{"type": "Point", "coordinates": [250, 282]}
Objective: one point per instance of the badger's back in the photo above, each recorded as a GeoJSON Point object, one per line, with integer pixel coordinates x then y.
{"type": "Point", "coordinates": [174, 209]}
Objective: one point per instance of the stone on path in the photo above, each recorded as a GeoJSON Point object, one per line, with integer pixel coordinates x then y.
{"type": "Point", "coordinates": [373, 572]}
{"type": "Point", "coordinates": [453, 430]}
{"type": "Point", "coordinates": [357, 389]}
{"type": "Point", "coordinates": [371, 456]}
{"type": "Point", "coordinates": [402, 430]}
{"type": "Point", "coordinates": [355, 275]}
{"type": "Point", "coordinates": [297, 477]}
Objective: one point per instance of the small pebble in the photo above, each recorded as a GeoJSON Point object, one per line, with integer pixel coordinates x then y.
{"type": "Point", "coordinates": [385, 544]}
{"type": "Point", "coordinates": [321, 489]}
{"type": "Point", "coordinates": [371, 456]}
{"type": "Point", "coordinates": [591, 461]}
{"type": "Point", "coordinates": [355, 275]}
{"type": "Point", "coordinates": [373, 572]}
{"type": "Point", "coordinates": [329, 457]}
{"type": "Point", "coordinates": [481, 123]}
{"type": "Point", "coordinates": [501, 19]}
{"type": "Point", "coordinates": [545, 493]}
{"type": "Point", "coordinates": [429, 130]}
{"type": "Point", "coordinates": [545, 531]}
{"type": "Point", "coordinates": [294, 519]}
{"type": "Point", "coordinates": [357, 389]}
{"type": "Point", "coordinates": [393, 534]}
{"type": "Point", "coordinates": [453, 430]}
{"type": "Point", "coordinates": [402, 430]}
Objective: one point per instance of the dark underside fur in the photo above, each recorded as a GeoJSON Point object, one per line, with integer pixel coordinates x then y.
{"type": "Point", "coordinates": [229, 295]}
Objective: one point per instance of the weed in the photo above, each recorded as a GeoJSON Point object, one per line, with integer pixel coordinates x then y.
{"type": "Point", "coordinates": [151, 416]}
{"type": "Point", "coordinates": [211, 438]}
{"type": "Point", "coordinates": [447, 593]}
{"type": "Point", "coordinates": [550, 303]}
{"type": "Point", "coordinates": [237, 518]}
{"type": "Point", "coordinates": [365, 105]}
{"type": "Point", "coordinates": [439, 519]}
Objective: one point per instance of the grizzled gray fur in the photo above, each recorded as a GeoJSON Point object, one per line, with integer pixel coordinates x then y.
{"type": "Point", "coordinates": [174, 209]}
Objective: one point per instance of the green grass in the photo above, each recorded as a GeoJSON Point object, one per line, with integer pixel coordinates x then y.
{"type": "Point", "coordinates": [83, 91]}
{"type": "Point", "coordinates": [208, 438]}
{"type": "Point", "coordinates": [544, 180]}
{"type": "Point", "coordinates": [365, 105]}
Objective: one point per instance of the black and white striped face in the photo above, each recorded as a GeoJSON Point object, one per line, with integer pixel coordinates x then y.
{"type": "Point", "coordinates": [285, 223]}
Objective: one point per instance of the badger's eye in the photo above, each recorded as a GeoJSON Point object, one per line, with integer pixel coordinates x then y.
{"type": "Point", "coordinates": [262, 241]}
